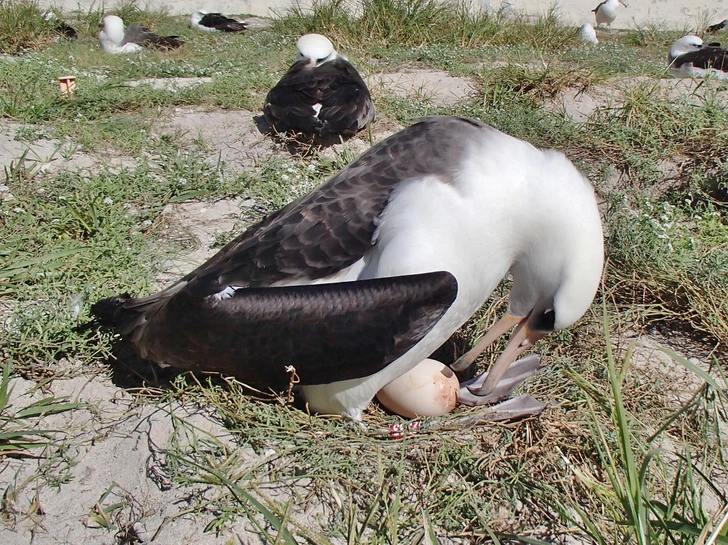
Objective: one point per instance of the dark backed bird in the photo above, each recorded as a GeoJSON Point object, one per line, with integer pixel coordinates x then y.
{"type": "Point", "coordinates": [719, 27]}
{"type": "Point", "coordinates": [690, 57]}
{"type": "Point", "coordinates": [115, 38]}
{"type": "Point", "coordinates": [356, 283]}
{"type": "Point", "coordinates": [61, 28]}
{"type": "Point", "coordinates": [321, 94]}
{"type": "Point", "coordinates": [215, 22]}
{"type": "Point", "coordinates": [606, 12]}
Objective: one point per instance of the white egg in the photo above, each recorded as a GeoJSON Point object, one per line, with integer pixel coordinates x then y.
{"type": "Point", "coordinates": [430, 389]}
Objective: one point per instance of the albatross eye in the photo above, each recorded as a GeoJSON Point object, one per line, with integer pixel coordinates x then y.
{"type": "Point", "coordinates": [544, 321]}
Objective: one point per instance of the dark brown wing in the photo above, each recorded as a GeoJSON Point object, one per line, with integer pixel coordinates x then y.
{"type": "Point", "coordinates": [328, 332]}
{"type": "Point", "coordinates": [336, 86]}
{"type": "Point", "coordinates": [334, 226]}
{"type": "Point", "coordinates": [289, 105]}
{"type": "Point", "coordinates": [138, 34]}
{"type": "Point", "coordinates": [708, 56]}
{"type": "Point", "coordinates": [346, 105]}
{"type": "Point", "coordinates": [222, 23]}
{"type": "Point", "coordinates": [712, 29]}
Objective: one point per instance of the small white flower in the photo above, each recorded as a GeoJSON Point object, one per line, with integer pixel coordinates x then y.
{"type": "Point", "coordinates": [284, 177]}
{"type": "Point", "coordinates": [108, 200]}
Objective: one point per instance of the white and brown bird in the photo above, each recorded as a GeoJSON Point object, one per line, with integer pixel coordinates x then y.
{"type": "Point", "coordinates": [718, 27]}
{"type": "Point", "coordinates": [689, 57]}
{"type": "Point", "coordinates": [606, 12]}
{"type": "Point", "coordinates": [356, 283]}
{"type": "Point", "coordinates": [117, 39]}
{"type": "Point", "coordinates": [321, 95]}
{"type": "Point", "coordinates": [215, 22]}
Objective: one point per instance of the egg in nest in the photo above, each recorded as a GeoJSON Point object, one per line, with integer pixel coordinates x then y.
{"type": "Point", "coordinates": [429, 389]}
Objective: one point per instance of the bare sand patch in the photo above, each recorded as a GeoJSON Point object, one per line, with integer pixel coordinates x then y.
{"type": "Point", "coordinates": [46, 154]}
{"type": "Point", "coordinates": [113, 444]}
{"type": "Point", "coordinates": [232, 136]}
{"type": "Point", "coordinates": [437, 86]}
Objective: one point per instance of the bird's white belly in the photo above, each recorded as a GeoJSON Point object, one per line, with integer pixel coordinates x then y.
{"type": "Point", "coordinates": [428, 227]}
{"type": "Point", "coordinates": [606, 15]}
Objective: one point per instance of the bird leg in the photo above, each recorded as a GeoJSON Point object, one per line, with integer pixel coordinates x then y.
{"type": "Point", "coordinates": [500, 327]}
{"type": "Point", "coordinates": [513, 376]}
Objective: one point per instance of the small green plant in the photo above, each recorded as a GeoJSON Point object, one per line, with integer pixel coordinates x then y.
{"type": "Point", "coordinates": [18, 435]}
{"type": "Point", "coordinates": [645, 513]}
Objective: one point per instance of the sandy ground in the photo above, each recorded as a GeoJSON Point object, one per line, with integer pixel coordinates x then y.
{"type": "Point", "coordinates": [664, 13]}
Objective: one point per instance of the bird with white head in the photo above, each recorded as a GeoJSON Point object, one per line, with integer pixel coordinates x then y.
{"type": "Point", "coordinates": [606, 12]}
{"type": "Point", "coordinates": [320, 96]}
{"type": "Point", "coordinates": [357, 283]}
{"type": "Point", "coordinates": [689, 57]}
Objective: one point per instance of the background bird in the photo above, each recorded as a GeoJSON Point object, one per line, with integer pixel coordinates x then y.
{"type": "Point", "coordinates": [690, 57]}
{"type": "Point", "coordinates": [114, 38]}
{"type": "Point", "coordinates": [60, 27]}
{"type": "Point", "coordinates": [606, 12]}
{"type": "Point", "coordinates": [320, 95]}
{"type": "Point", "coordinates": [719, 27]}
{"type": "Point", "coordinates": [215, 22]}
{"type": "Point", "coordinates": [365, 277]}
{"type": "Point", "coordinates": [587, 34]}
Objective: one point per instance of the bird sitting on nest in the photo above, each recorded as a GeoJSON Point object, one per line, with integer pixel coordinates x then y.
{"type": "Point", "coordinates": [215, 22]}
{"type": "Point", "coordinates": [719, 27]}
{"type": "Point", "coordinates": [116, 39]}
{"type": "Point", "coordinates": [690, 57]}
{"type": "Point", "coordinates": [606, 12]}
{"type": "Point", "coordinates": [355, 284]}
{"type": "Point", "coordinates": [321, 95]}
{"type": "Point", "coordinates": [63, 29]}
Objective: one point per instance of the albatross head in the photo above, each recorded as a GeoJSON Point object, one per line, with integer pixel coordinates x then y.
{"type": "Point", "coordinates": [112, 31]}
{"type": "Point", "coordinates": [196, 17]}
{"type": "Point", "coordinates": [556, 271]}
{"type": "Point", "coordinates": [686, 44]}
{"type": "Point", "coordinates": [315, 47]}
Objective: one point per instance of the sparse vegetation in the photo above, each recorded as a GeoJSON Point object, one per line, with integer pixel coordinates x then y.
{"type": "Point", "coordinates": [620, 457]}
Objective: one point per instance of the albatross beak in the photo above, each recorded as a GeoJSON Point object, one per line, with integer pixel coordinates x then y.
{"type": "Point", "coordinates": [522, 338]}
{"type": "Point", "coordinates": [500, 327]}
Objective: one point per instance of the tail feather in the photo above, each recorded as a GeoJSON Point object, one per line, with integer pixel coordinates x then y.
{"type": "Point", "coordinates": [113, 313]}
{"type": "Point", "coordinates": [168, 42]}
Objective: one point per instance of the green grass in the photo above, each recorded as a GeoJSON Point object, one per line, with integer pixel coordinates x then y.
{"type": "Point", "coordinates": [593, 465]}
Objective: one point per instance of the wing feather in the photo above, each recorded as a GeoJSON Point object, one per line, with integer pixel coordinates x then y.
{"type": "Point", "coordinates": [328, 332]}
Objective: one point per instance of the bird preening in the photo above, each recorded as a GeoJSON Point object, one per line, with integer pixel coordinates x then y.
{"type": "Point", "coordinates": [358, 282]}
{"type": "Point", "coordinates": [320, 96]}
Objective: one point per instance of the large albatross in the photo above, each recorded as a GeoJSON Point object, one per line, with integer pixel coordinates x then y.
{"type": "Point", "coordinates": [356, 283]}
{"type": "Point", "coordinates": [606, 12]}
{"type": "Point", "coordinates": [116, 39]}
{"type": "Point", "coordinates": [690, 57]}
{"type": "Point", "coordinates": [320, 95]}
